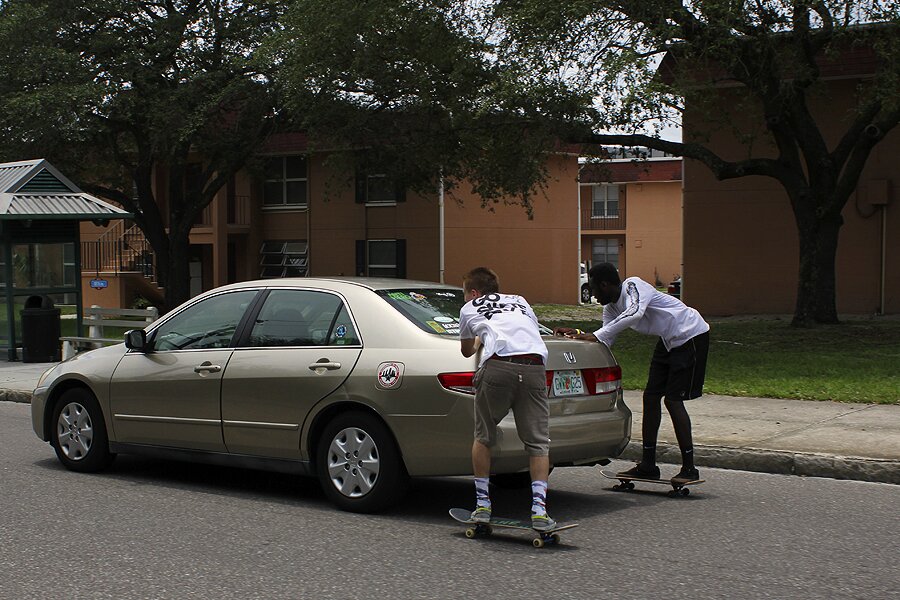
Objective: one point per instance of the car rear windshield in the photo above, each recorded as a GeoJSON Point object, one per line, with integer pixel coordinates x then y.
{"type": "Point", "coordinates": [435, 310]}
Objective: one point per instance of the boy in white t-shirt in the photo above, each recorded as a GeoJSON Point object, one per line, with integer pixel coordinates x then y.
{"type": "Point", "coordinates": [678, 366]}
{"type": "Point", "coordinates": [511, 374]}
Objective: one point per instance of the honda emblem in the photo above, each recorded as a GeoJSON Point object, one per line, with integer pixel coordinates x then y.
{"type": "Point", "coordinates": [570, 357]}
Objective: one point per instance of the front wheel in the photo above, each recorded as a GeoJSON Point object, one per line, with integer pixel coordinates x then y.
{"type": "Point", "coordinates": [359, 465]}
{"type": "Point", "coordinates": [80, 438]}
{"type": "Point", "coordinates": [585, 294]}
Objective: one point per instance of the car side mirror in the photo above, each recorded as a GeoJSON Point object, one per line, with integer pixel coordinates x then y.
{"type": "Point", "coordinates": [136, 339]}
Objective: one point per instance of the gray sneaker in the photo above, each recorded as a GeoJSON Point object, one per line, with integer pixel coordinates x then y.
{"type": "Point", "coordinates": [482, 514]}
{"type": "Point", "coordinates": [542, 522]}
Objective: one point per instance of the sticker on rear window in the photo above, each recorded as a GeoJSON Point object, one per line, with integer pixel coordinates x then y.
{"type": "Point", "coordinates": [417, 297]}
{"type": "Point", "coordinates": [436, 326]}
{"type": "Point", "coordinates": [341, 331]}
{"type": "Point", "coordinates": [398, 296]}
{"type": "Point", "coordinates": [445, 319]}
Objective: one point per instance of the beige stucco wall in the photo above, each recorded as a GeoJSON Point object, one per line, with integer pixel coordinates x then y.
{"type": "Point", "coordinates": [536, 258]}
{"type": "Point", "coordinates": [741, 245]}
{"type": "Point", "coordinates": [653, 231]}
{"type": "Point", "coordinates": [531, 256]}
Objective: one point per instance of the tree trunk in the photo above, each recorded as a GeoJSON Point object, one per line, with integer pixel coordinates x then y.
{"type": "Point", "coordinates": [816, 289]}
{"type": "Point", "coordinates": [178, 274]}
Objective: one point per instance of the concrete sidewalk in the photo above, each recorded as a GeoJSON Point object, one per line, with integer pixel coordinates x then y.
{"type": "Point", "coordinates": [822, 439]}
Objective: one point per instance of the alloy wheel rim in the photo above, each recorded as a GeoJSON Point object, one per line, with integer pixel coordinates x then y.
{"type": "Point", "coordinates": [353, 462]}
{"type": "Point", "coordinates": [75, 431]}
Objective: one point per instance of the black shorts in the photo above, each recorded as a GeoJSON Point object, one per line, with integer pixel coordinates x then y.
{"type": "Point", "coordinates": [678, 373]}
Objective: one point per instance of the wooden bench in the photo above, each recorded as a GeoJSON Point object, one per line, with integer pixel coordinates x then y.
{"type": "Point", "coordinates": [98, 317]}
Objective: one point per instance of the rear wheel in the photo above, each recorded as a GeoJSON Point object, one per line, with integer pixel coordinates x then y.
{"type": "Point", "coordinates": [359, 465]}
{"type": "Point", "coordinates": [79, 437]}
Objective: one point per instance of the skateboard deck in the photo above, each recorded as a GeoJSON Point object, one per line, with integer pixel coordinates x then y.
{"type": "Point", "coordinates": [549, 536]}
{"type": "Point", "coordinates": [626, 484]}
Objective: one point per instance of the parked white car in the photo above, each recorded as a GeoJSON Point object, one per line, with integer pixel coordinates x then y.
{"type": "Point", "coordinates": [583, 283]}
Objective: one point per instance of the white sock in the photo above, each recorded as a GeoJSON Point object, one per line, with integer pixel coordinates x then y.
{"type": "Point", "coordinates": [538, 498]}
{"type": "Point", "coordinates": [482, 499]}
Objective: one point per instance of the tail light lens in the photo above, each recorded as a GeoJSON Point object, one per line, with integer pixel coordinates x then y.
{"type": "Point", "coordinates": [458, 382]}
{"type": "Point", "coordinates": [603, 380]}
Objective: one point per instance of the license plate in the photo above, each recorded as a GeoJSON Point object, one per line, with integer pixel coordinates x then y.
{"type": "Point", "coordinates": [567, 383]}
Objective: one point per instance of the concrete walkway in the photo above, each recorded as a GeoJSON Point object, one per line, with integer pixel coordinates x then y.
{"type": "Point", "coordinates": [822, 439]}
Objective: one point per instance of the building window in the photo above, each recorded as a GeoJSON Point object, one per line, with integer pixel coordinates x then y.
{"type": "Point", "coordinates": [605, 201]}
{"type": "Point", "coordinates": [605, 250]}
{"type": "Point", "coordinates": [283, 259]}
{"type": "Point", "coordinates": [378, 190]}
{"type": "Point", "coordinates": [381, 258]}
{"type": "Point", "coordinates": [285, 182]}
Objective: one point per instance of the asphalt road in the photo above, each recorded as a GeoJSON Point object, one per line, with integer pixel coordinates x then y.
{"type": "Point", "coordinates": [151, 529]}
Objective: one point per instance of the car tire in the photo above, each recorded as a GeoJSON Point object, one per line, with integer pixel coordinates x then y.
{"type": "Point", "coordinates": [358, 464]}
{"type": "Point", "coordinates": [586, 294]}
{"type": "Point", "coordinates": [79, 432]}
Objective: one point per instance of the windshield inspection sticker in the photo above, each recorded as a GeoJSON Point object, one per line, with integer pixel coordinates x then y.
{"type": "Point", "coordinates": [390, 374]}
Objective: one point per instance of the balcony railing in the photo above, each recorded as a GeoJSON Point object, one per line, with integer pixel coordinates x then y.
{"type": "Point", "coordinates": [131, 252]}
{"type": "Point", "coordinates": [595, 222]}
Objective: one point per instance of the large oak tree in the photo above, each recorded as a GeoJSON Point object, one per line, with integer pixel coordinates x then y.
{"type": "Point", "coordinates": [115, 91]}
{"type": "Point", "coordinates": [772, 52]}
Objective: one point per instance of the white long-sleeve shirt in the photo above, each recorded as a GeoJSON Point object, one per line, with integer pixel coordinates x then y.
{"type": "Point", "coordinates": [647, 310]}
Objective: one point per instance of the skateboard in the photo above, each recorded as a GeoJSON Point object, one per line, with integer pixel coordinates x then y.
{"type": "Point", "coordinates": [550, 536]}
{"type": "Point", "coordinates": [627, 483]}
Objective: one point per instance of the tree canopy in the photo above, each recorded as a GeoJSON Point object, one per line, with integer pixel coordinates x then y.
{"type": "Point", "coordinates": [114, 92]}
{"type": "Point", "coordinates": [429, 90]}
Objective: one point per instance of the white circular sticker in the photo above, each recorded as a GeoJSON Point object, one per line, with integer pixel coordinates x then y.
{"type": "Point", "coordinates": [445, 319]}
{"type": "Point", "coordinates": [389, 375]}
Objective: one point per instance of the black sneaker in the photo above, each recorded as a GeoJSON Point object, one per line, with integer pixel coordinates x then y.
{"type": "Point", "coordinates": [641, 472]}
{"type": "Point", "coordinates": [686, 476]}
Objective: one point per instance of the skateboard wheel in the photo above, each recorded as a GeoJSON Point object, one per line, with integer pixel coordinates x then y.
{"type": "Point", "coordinates": [537, 543]}
{"type": "Point", "coordinates": [470, 533]}
{"type": "Point", "coordinates": [673, 493]}
{"type": "Point", "coordinates": [555, 538]}
{"type": "Point", "coordinates": [629, 486]}
{"type": "Point", "coordinates": [685, 492]}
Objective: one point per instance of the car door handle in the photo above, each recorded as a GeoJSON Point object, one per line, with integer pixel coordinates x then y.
{"type": "Point", "coordinates": [324, 365]}
{"type": "Point", "coordinates": [208, 367]}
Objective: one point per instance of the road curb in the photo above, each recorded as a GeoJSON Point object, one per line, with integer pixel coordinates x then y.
{"type": "Point", "coordinates": [779, 462]}
{"type": "Point", "coordinates": [20, 396]}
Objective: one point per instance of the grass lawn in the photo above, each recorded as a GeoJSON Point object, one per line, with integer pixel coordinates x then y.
{"type": "Point", "coordinates": [855, 361]}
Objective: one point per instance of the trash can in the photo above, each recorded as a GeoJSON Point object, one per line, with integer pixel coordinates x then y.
{"type": "Point", "coordinates": [40, 330]}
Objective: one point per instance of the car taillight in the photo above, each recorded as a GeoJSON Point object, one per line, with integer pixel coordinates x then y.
{"type": "Point", "coordinates": [458, 382]}
{"type": "Point", "coordinates": [603, 380]}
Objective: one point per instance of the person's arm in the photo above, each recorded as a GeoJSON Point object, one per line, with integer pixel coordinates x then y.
{"type": "Point", "coordinates": [470, 346]}
{"type": "Point", "coordinates": [637, 299]}
{"type": "Point", "coordinates": [575, 334]}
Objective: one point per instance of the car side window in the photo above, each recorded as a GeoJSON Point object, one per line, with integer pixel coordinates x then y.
{"type": "Point", "coordinates": [210, 323]}
{"type": "Point", "coordinates": [295, 318]}
{"type": "Point", "coordinates": [343, 333]}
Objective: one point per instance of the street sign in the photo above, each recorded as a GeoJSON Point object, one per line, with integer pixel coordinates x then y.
{"type": "Point", "coordinates": [99, 284]}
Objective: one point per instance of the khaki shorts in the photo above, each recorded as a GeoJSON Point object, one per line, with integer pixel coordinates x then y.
{"type": "Point", "coordinates": [500, 386]}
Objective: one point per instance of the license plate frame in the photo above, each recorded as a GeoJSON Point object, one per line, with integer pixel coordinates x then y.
{"type": "Point", "coordinates": [568, 383]}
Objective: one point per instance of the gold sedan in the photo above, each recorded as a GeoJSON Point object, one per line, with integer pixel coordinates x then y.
{"type": "Point", "coordinates": [359, 382]}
